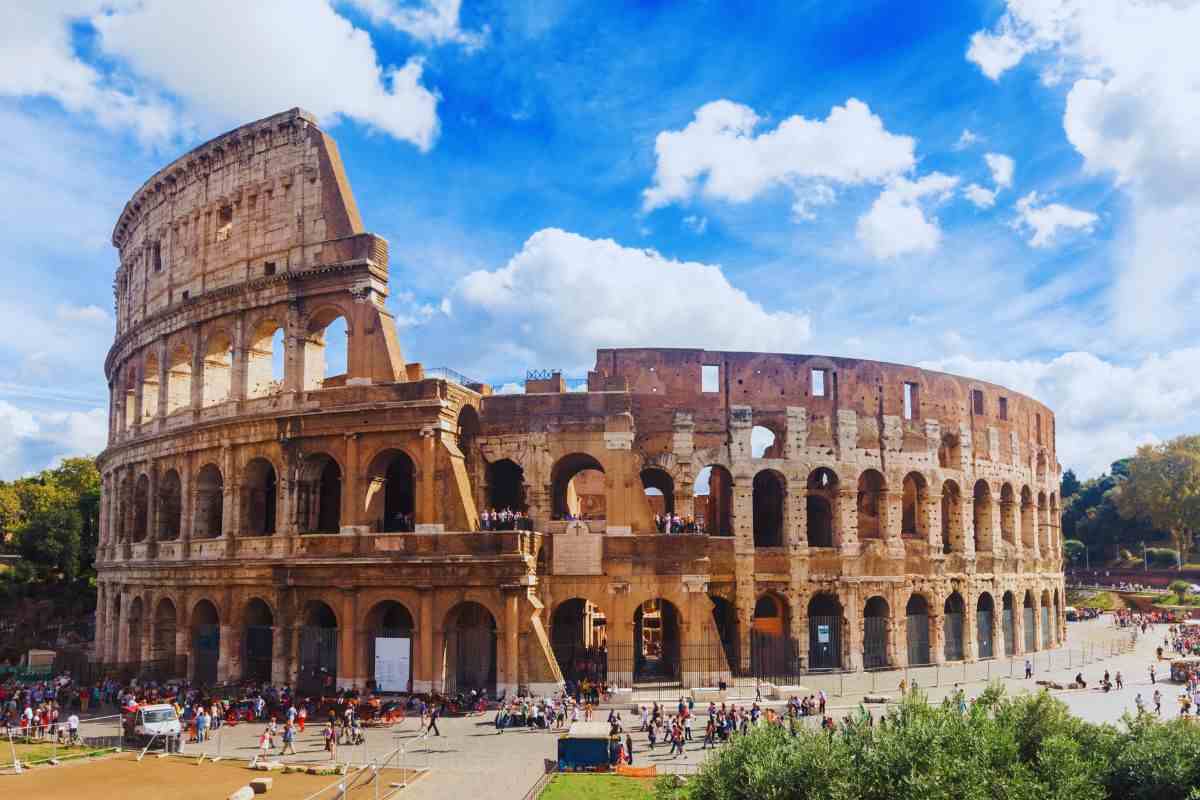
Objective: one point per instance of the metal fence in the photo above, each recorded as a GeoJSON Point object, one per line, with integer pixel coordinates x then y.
{"type": "Point", "coordinates": [27, 747]}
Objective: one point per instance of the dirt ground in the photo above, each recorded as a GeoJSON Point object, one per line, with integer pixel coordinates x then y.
{"type": "Point", "coordinates": [122, 777]}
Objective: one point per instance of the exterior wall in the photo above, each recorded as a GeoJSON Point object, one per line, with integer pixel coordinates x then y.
{"type": "Point", "coordinates": [983, 518]}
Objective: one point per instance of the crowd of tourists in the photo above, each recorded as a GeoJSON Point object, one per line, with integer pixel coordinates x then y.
{"type": "Point", "coordinates": [505, 519]}
{"type": "Point", "coordinates": [673, 523]}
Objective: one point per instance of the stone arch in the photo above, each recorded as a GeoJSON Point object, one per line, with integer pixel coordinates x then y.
{"type": "Point", "coordinates": [914, 521]}
{"type": "Point", "coordinates": [1041, 467]}
{"type": "Point", "coordinates": [714, 513]}
{"type": "Point", "coordinates": [1008, 515]}
{"type": "Point", "coordinates": [819, 505]}
{"type": "Point", "coordinates": [982, 516]}
{"type": "Point", "coordinates": [565, 496]}
{"type": "Point", "coordinates": [217, 378]}
{"type": "Point", "coordinates": [917, 629]}
{"type": "Point", "coordinates": [985, 610]}
{"type": "Point", "coordinates": [725, 620]}
{"type": "Point", "coordinates": [954, 611]}
{"type": "Point", "coordinates": [876, 632]}
{"type": "Point", "coordinates": [765, 442]}
{"type": "Point", "coordinates": [950, 451]}
{"type": "Point", "coordinates": [205, 625]}
{"type": "Point", "coordinates": [871, 489]}
{"type": "Point", "coordinates": [150, 387]}
{"type": "Point", "coordinates": [162, 645]}
{"type": "Point", "coordinates": [141, 508]}
{"type": "Point", "coordinates": [318, 667]}
{"type": "Point", "coordinates": [506, 485]}
{"type": "Point", "coordinates": [319, 494]}
{"type": "Point", "coordinates": [170, 506]}
{"type": "Point", "coordinates": [179, 378]}
{"type": "Point", "coordinates": [260, 492]}
{"type": "Point", "coordinates": [470, 648]}
{"type": "Point", "coordinates": [579, 639]}
{"type": "Point", "coordinates": [952, 521]}
{"type": "Point", "coordinates": [316, 358]}
{"type": "Point", "coordinates": [659, 487]}
{"type": "Point", "coordinates": [389, 619]}
{"type": "Point", "coordinates": [657, 636]}
{"type": "Point", "coordinates": [258, 639]}
{"type": "Point", "coordinates": [210, 503]}
{"type": "Point", "coordinates": [769, 492]}
{"type": "Point", "coordinates": [129, 388]}
{"type": "Point", "coordinates": [391, 502]}
{"type": "Point", "coordinates": [825, 614]}
{"type": "Point", "coordinates": [265, 358]}
{"type": "Point", "coordinates": [467, 436]}
{"type": "Point", "coordinates": [1028, 519]}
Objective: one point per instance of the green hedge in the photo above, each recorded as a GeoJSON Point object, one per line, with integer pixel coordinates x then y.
{"type": "Point", "coordinates": [1162, 557]}
{"type": "Point", "coordinates": [1024, 748]}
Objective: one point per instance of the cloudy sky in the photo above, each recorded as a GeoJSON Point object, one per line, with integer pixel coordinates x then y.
{"type": "Point", "coordinates": [1009, 191]}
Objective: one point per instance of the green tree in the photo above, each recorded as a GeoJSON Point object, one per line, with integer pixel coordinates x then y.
{"type": "Point", "coordinates": [1073, 549]}
{"type": "Point", "coordinates": [1180, 588]}
{"type": "Point", "coordinates": [1070, 484]}
{"type": "Point", "coordinates": [1164, 488]}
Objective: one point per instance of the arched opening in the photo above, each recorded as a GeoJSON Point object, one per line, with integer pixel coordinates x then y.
{"type": "Point", "coordinates": [129, 401]}
{"type": "Point", "coordinates": [713, 493]}
{"type": "Point", "coordinates": [659, 487]}
{"type": "Point", "coordinates": [577, 482]}
{"type": "Point", "coordinates": [468, 433]}
{"type": "Point", "coordinates": [1058, 620]}
{"type": "Point", "coordinates": [913, 520]}
{"type": "Point", "coordinates": [985, 610]}
{"type": "Point", "coordinates": [1047, 631]}
{"type": "Point", "coordinates": [822, 492]}
{"type": "Point", "coordinates": [656, 641]}
{"type": "Point", "coordinates": [952, 627]}
{"type": "Point", "coordinates": [124, 504]}
{"type": "Point", "coordinates": [325, 350]}
{"type": "Point", "coordinates": [259, 493]}
{"type": "Point", "coordinates": [258, 646]}
{"type": "Point", "coordinates": [141, 508]}
{"type": "Point", "coordinates": [318, 650]}
{"type": "Point", "coordinates": [769, 489]}
{"type": "Point", "coordinates": [179, 379]}
{"type": "Point", "coordinates": [392, 492]}
{"type": "Point", "coordinates": [952, 528]}
{"type": "Point", "coordinates": [870, 492]}
{"type": "Point", "coordinates": [725, 620]}
{"type": "Point", "coordinates": [1008, 515]}
{"type": "Point", "coordinates": [506, 486]}
{"type": "Point", "coordinates": [950, 452]}
{"type": "Point", "coordinates": [150, 372]}
{"type": "Point", "coordinates": [170, 506]}
{"type": "Point", "coordinates": [206, 642]}
{"type": "Point", "coordinates": [114, 630]}
{"type": "Point", "coordinates": [390, 646]}
{"type": "Point", "coordinates": [1043, 518]}
{"type": "Point", "coordinates": [265, 360]}
{"type": "Point", "coordinates": [1053, 523]}
{"type": "Point", "coordinates": [163, 645]}
{"type": "Point", "coordinates": [917, 630]}
{"type": "Point", "coordinates": [824, 632]}
{"type": "Point", "coordinates": [875, 633]}
{"type": "Point", "coordinates": [210, 503]}
{"type": "Point", "coordinates": [983, 517]}
{"type": "Point", "coordinates": [771, 652]}
{"type": "Point", "coordinates": [135, 624]}
{"type": "Point", "coordinates": [218, 369]}
{"type": "Point", "coordinates": [320, 495]}
{"type": "Point", "coordinates": [764, 443]}
{"type": "Point", "coordinates": [470, 649]}
{"type": "Point", "coordinates": [579, 638]}
{"type": "Point", "coordinates": [1028, 520]}
{"type": "Point", "coordinates": [1041, 466]}
{"type": "Point", "coordinates": [1029, 617]}
{"type": "Point", "coordinates": [1008, 624]}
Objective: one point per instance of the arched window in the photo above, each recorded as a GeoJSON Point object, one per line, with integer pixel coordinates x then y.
{"type": "Point", "coordinates": [259, 498]}
{"type": "Point", "coordinates": [218, 369]}
{"type": "Point", "coordinates": [265, 360]}
{"type": "Point", "coordinates": [983, 517]}
{"type": "Point", "coordinates": [325, 350]}
{"type": "Point", "coordinates": [870, 493]}
{"type": "Point", "coordinates": [579, 487]}
{"type": "Point", "coordinates": [822, 493]}
{"type": "Point", "coordinates": [506, 486]}
{"type": "Point", "coordinates": [913, 519]}
{"type": "Point", "coordinates": [170, 506]}
{"type": "Point", "coordinates": [150, 388]}
{"type": "Point", "coordinates": [713, 493]}
{"type": "Point", "coordinates": [659, 487]}
{"type": "Point", "coordinates": [392, 492]}
{"type": "Point", "coordinates": [320, 495]}
{"type": "Point", "coordinates": [769, 490]}
{"type": "Point", "coordinates": [210, 503]}
{"type": "Point", "coordinates": [952, 529]}
{"type": "Point", "coordinates": [179, 379]}
{"type": "Point", "coordinates": [764, 443]}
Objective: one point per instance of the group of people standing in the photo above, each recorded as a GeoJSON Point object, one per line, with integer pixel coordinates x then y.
{"type": "Point", "coordinates": [505, 520]}
{"type": "Point", "coordinates": [673, 523]}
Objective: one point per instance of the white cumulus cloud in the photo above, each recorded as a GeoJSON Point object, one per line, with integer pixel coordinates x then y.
{"type": "Point", "coordinates": [1043, 221]}
{"type": "Point", "coordinates": [1002, 167]}
{"type": "Point", "coordinates": [431, 21]}
{"type": "Point", "coordinates": [980, 196]}
{"type": "Point", "coordinates": [897, 224]}
{"type": "Point", "coordinates": [721, 154]}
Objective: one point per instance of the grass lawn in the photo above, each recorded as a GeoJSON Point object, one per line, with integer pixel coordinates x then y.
{"type": "Point", "coordinates": [39, 751]}
{"type": "Point", "coordinates": [571, 786]}
{"type": "Point", "coordinates": [1106, 601]}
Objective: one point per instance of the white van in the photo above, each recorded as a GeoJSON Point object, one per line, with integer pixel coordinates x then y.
{"type": "Point", "coordinates": [150, 721]}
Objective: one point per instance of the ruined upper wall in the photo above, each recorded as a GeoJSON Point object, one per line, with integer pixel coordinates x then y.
{"type": "Point", "coordinates": [259, 200]}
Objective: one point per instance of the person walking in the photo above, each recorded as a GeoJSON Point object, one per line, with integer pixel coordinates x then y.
{"type": "Point", "coordinates": [1158, 702]}
{"type": "Point", "coordinates": [1153, 675]}
{"type": "Point", "coordinates": [1028, 669]}
{"type": "Point", "coordinates": [289, 739]}
{"type": "Point", "coordinates": [434, 713]}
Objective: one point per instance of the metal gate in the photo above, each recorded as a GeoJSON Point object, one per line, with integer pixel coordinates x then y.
{"type": "Point", "coordinates": [578, 662]}
{"type": "Point", "coordinates": [1045, 626]}
{"type": "Point", "coordinates": [983, 634]}
{"type": "Point", "coordinates": [875, 633]}
{"type": "Point", "coordinates": [918, 639]}
{"type": "Point", "coordinates": [1010, 632]}
{"type": "Point", "coordinates": [824, 643]}
{"type": "Point", "coordinates": [774, 659]}
{"type": "Point", "coordinates": [471, 660]}
{"type": "Point", "coordinates": [1030, 632]}
{"type": "Point", "coordinates": [256, 657]}
{"type": "Point", "coordinates": [318, 660]}
{"type": "Point", "coordinates": [953, 628]}
{"type": "Point", "coordinates": [206, 644]}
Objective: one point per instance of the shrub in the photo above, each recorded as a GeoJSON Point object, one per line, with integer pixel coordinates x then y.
{"type": "Point", "coordinates": [1162, 557]}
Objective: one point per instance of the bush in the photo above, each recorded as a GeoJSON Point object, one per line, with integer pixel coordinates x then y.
{"type": "Point", "coordinates": [1162, 557]}
{"type": "Point", "coordinates": [1026, 747]}
{"type": "Point", "coordinates": [1126, 555]}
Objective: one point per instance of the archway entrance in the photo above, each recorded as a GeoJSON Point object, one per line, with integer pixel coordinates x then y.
{"type": "Point", "coordinates": [917, 630]}
{"type": "Point", "coordinates": [875, 633]}
{"type": "Point", "coordinates": [258, 646]}
{"type": "Point", "coordinates": [163, 646]}
{"type": "Point", "coordinates": [258, 498]}
{"type": "Point", "coordinates": [506, 486]}
{"type": "Point", "coordinates": [656, 642]}
{"type": "Point", "coordinates": [389, 643]}
{"type": "Point", "coordinates": [578, 485]}
{"type": "Point", "coordinates": [984, 609]}
{"type": "Point", "coordinates": [399, 494]}
{"type": "Point", "coordinates": [1008, 625]}
{"type": "Point", "coordinates": [818, 507]}
{"type": "Point", "coordinates": [713, 500]}
{"type": "Point", "coordinates": [952, 627]}
{"type": "Point", "coordinates": [470, 649]}
{"type": "Point", "coordinates": [206, 643]}
{"type": "Point", "coordinates": [659, 488]}
{"type": "Point", "coordinates": [725, 619]}
{"type": "Point", "coordinates": [210, 503]}
{"type": "Point", "coordinates": [824, 632]}
{"type": "Point", "coordinates": [319, 499]}
{"type": "Point", "coordinates": [579, 638]}
{"type": "Point", "coordinates": [768, 493]}
{"type": "Point", "coordinates": [773, 656]}
{"type": "Point", "coordinates": [318, 650]}
{"type": "Point", "coordinates": [1029, 617]}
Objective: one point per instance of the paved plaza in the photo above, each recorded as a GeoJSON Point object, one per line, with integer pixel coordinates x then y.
{"type": "Point", "coordinates": [470, 755]}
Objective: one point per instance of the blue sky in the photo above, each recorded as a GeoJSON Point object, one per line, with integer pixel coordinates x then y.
{"type": "Point", "coordinates": [1002, 190]}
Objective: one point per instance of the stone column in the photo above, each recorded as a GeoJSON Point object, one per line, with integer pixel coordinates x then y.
{"type": "Point", "coordinates": [423, 670]}
{"type": "Point", "coordinates": [931, 507]}
{"type": "Point", "coordinates": [892, 506]}
{"type": "Point", "coordinates": [123, 629]}
{"type": "Point", "coordinates": [152, 507]}
{"type": "Point", "coordinates": [164, 376]}
{"type": "Point", "coordinates": [352, 514]}
{"type": "Point", "coordinates": [426, 513]}
{"type": "Point", "coordinates": [937, 632]}
{"type": "Point", "coordinates": [852, 611]}
{"type": "Point", "coordinates": [348, 666]}
{"type": "Point", "coordinates": [898, 634]}
{"type": "Point", "coordinates": [196, 401]}
{"type": "Point", "coordinates": [229, 656]}
{"type": "Point", "coordinates": [970, 627]}
{"type": "Point", "coordinates": [511, 639]}
{"type": "Point", "coordinates": [1018, 624]}
{"type": "Point", "coordinates": [241, 360]}
{"type": "Point", "coordinates": [101, 626]}
{"type": "Point", "coordinates": [279, 674]}
{"type": "Point", "coordinates": [967, 523]}
{"type": "Point", "coordinates": [845, 520]}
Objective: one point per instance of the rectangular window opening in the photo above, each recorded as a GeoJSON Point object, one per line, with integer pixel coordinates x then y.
{"type": "Point", "coordinates": [156, 256]}
{"type": "Point", "coordinates": [1004, 408]}
{"type": "Point", "coordinates": [817, 381]}
{"type": "Point", "coordinates": [1037, 423]}
{"type": "Point", "coordinates": [977, 401]}
{"type": "Point", "coordinates": [269, 268]}
{"type": "Point", "coordinates": [911, 403]}
{"type": "Point", "coordinates": [224, 223]}
{"type": "Point", "coordinates": [710, 378]}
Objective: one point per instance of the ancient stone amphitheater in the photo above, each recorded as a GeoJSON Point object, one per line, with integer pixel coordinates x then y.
{"type": "Point", "coordinates": [263, 518]}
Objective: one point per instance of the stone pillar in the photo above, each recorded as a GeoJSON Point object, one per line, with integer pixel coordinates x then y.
{"type": "Point", "coordinates": [241, 361]}
{"type": "Point", "coordinates": [997, 527]}
{"type": "Point", "coordinates": [197, 394]}
{"type": "Point", "coordinates": [1018, 624]}
{"type": "Point", "coordinates": [164, 375]}
{"type": "Point", "coordinates": [853, 613]}
{"type": "Point", "coordinates": [348, 666]}
{"type": "Point", "coordinates": [279, 675]}
{"type": "Point", "coordinates": [294, 650]}
{"type": "Point", "coordinates": [937, 633]}
{"type": "Point", "coordinates": [101, 626]}
{"type": "Point", "coordinates": [897, 634]}
{"type": "Point", "coordinates": [970, 627]}
{"type": "Point", "coordinates": [511, 679]}
{"type": "Point", "coordinates": [352, 513]}
{"type": "Point", "coordinates": [845, 520]}
{"type": "Point", "coordinates": [152, 505]}
{"type": "Point", "coordinates": [892, 506]}
{"type": "Point", "coordinates": [426, 513]}
{"type": "Point", "coordinates": [122, 622]}
{"type": "Point", "coordinates": [967, 522]}
{"type": "Point", "coordinates": [423, 670]}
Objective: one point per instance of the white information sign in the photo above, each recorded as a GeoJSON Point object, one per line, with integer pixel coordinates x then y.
{"type": "Point", "coordinates": [392, 664]}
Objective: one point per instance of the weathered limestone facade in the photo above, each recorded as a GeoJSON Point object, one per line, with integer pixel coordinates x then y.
{"type": "Point", "coordinates": [261, 517]}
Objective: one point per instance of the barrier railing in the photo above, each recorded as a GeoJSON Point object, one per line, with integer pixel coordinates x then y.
{"type": "Point", "coordinates": [44, 744]}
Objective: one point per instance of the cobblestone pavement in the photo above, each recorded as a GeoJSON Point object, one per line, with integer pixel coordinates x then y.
{"type": "Point", "coordinates": [470, 757]}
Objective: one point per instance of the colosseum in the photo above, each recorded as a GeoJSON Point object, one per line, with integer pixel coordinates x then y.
{"type": "Point", "coordinates": [691, 517]}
